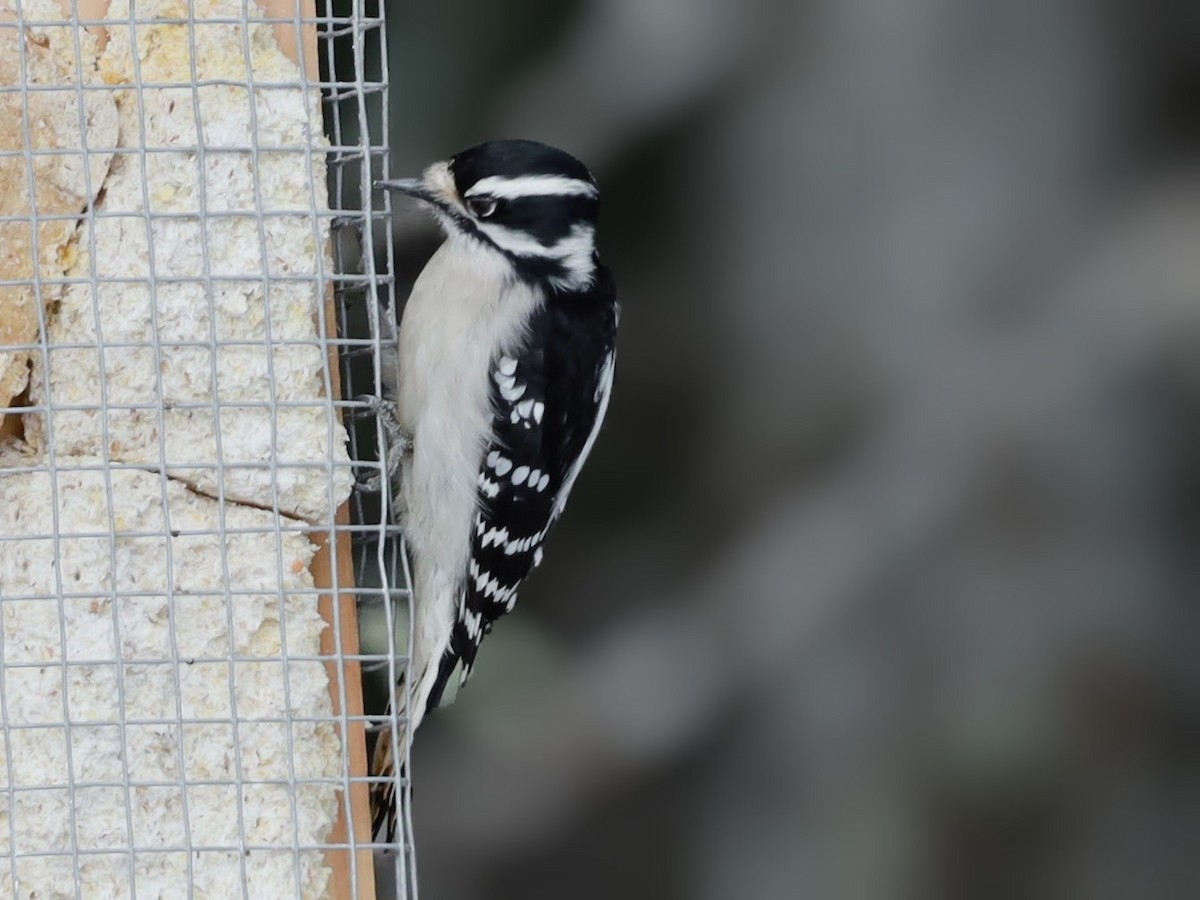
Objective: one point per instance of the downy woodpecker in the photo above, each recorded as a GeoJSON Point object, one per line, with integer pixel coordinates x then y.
{"type": "Point", "coordinates": [506, 353]}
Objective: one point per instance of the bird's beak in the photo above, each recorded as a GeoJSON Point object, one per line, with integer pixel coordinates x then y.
{"type": "Point", "coordinates": [435, 187]}
{"type": "Point", "coordinates": [414, 187]}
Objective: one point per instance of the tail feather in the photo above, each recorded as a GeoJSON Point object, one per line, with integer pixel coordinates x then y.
{"type": "Point", "coordinates": [383, 793]}
{"type": "Point", "coordinates": [428, 694]}
{"type": "Point", "coordinates": [391, 745]}
{"type": "Point", "coordinates": [435, 684]}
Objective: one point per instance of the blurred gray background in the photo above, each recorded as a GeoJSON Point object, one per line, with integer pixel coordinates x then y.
{"type": "Point", "coordinates": [877, 584]}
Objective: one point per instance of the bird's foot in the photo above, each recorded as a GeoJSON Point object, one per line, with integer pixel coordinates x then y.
{"type": "Point", "coordinates": [399, 441]}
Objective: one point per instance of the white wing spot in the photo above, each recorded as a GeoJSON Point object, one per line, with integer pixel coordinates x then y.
{"type": "Point", "coordinates": [492, 458]}
{"type": "Point", "coordinates": [508, 365]}
{"type": "Point", "coordinates": [490, 488]}
{"type": "Point", "coordinates": [495, 536]}
{"type": "Point", "coordinates": [537, 557]}
{"type": "Point", "coordinates": [512, 393]}
{"type": "Point", "coordinates": [503, 464]}
{"type": "Point", "coordinates": [543, 481]}
{"type": "Point", "coordinates": [539, 410]}
{"type": "Point", "coordinates": [524, 408]}
{"type": "Point", "coordinates": [472, 621]}
{"type": "Point", "coordinates": [520, 473]}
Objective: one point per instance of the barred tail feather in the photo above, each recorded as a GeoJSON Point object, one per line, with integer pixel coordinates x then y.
{"type": "Point", "coordinates": [386, 758]}
{"type": "Point", "coordinates": [427, 693]}
{"type": "Point", "coordinates": [383, 793]}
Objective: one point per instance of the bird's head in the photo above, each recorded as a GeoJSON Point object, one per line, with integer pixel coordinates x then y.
{"type": "Point", "coordinates": [532, 203]}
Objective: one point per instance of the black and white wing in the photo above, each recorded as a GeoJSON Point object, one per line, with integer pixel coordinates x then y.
{"type": "Point", "coordinates": [549, 399]}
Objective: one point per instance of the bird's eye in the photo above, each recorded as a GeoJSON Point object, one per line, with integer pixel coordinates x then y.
{"type": "Point", "coordinates": [482, 207]}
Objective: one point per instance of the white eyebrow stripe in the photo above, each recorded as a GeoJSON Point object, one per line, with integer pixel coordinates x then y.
{"type": "Point", "coordinates": [532, 186]}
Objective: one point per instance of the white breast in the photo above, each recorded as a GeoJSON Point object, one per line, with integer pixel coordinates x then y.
{"type": "Point", "coordinates": [464, 309]}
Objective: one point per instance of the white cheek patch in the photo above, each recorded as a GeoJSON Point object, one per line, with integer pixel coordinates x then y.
{"type": "Point", "coordinates": [574, 252]}
{"type": "Point", "coordinates": [516, 242]}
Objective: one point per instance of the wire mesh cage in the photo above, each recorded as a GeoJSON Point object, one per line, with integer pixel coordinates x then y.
{"type": "Point", "coordinates": [188, 299]}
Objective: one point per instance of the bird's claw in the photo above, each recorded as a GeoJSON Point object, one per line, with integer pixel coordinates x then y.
{"type": "Point", "coordinates": [399, 441]}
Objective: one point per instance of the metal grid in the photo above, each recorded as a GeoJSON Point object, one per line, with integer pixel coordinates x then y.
{"type": "Point", "coordinates": [213, 533]}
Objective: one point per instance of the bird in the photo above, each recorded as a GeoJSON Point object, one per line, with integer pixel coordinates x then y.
{"type": "Point", "coordinates": [505, 365]}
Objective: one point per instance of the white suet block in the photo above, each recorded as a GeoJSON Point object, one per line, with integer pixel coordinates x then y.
{"type": "Point", "coordinates": [143, 635]}
{"type": "Point", "coordinates": [235, 263]}
{"type": "Point", "coordinates": [53, 122]}
{"type": "Point", "coordinates": [150, 634]}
